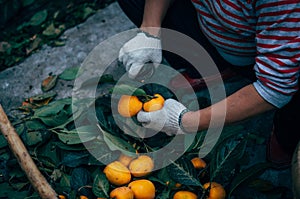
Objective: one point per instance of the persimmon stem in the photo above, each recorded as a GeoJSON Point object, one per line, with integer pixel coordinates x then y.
{"type": "Point", "coordinates": [146, 98]}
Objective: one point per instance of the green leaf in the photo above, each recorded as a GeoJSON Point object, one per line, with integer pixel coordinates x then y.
{"type": "Point", "coordinates": [226, 157]}
{"type": "Point", "coordinates": [248, 173]}
{"type": "Point", "coordinates": [165, 194]}
{"type": "Point", "coordinates": [19, 185]}
{"type": "Point", "coordinates": [75, 159]}
{"type": "Point", "coordinates": [65, 180]}
{"type": "Point", "coordinates": [20, 129]}
{"type": "Point", "coordinates": [229, 132]}
{"type": "Point", "coordinates": [42, 99]}
{"type": "Point", "coordinates": [69, 138]}
{"type": "Point", "coordinates": [52, 109]}
{"type": "Point", "coordinates": [4, 156]}
{"type": "Point", "coordinates": [80, 177]}
{"type": "Point", "coordinates": [51, 31]}
{"type": "Point", "coordinates": [163, 177]}
{"type": "Point", "coordinates": [58, 43]}
{"type": "Point", "coordinates": [69, 73]}
{"type": "Point", "coordinates": [33, 138]}
{"type": "Point", "coordinates": [75, 115]}
{"type": "Point", "coordinates": [64, 185]}
{"type": "Point", "coordinates": [27, 2]}
{"type": "Point", "coordinates": [36, 133]}
{"type": "Point", "coordinates": [78, 147]}
{"type": "Point", "coordinates": [7, 191]}
{"type": "Point", "coordinates": [90, 82]}
{"type": "Point", "coordinates": [101, 186]}
{"type": "Point", "coordinates": [194, 142]}
{"type": "Point", "coordinates": [87, 11]}
{"type": "Point", "coordinates": [131, 128]}
{"type": "Point", "coordinates": [55, 120]}
{"type": "Point", "coordinates": [34, 125]}
{"type": "Point", "coordinates": [116, 143]}
{"type": "Point", "coordinates": [46, 161]}
{"type": "Point", "coordinates": [101, 152]}
{"type": "Point", "coordinates": [101, 117]}
{"type": "Point", "coordinates": [124, 89]}
{"type": "Point", "coordinates": [52, 158]}
{"type": "Point", "coordinates": [38, 18]}
{"type": "Point", "coordinates": [257, 138]}
{"type": "Point", "coordinates": [55, 113]}
{"type": "Point", "coordinates": [79, 135]}
{"type": "Point", "coordinates": [183, 172]}
{"type": "Point", "coordinates": [261, 185]}
{"type": "Point", "coordinates": [16, 173]}
{"type": "Point", "coordinates": [107, 78]}
{"type": "Point", "coordinates": [3, 141]}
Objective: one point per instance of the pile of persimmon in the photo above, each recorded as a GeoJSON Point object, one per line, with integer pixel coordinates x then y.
{"type": "Point", "coordinates": [120, 173]}
{"type": "Point", "coordinates": [128, 174]}
{"type": "Point", "coordinates": [129, 106]}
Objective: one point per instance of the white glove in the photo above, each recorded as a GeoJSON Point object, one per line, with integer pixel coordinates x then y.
{"type": "Point", "coordinates": [165, 119]}
{"type": "Point", "coordinates": [138, 51]}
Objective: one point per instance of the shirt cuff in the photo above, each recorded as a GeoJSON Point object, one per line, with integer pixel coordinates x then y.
{"type": "Point", "coordinates": [275, 98]}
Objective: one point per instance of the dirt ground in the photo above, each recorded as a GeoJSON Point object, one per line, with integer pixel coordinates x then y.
{"type": "Point", "coordinates": [24, 80]}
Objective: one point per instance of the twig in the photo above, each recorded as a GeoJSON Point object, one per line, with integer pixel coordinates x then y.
{"type": "Point", "coordinates": [16, 145]}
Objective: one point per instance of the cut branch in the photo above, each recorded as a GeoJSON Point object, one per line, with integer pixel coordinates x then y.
{"type": "Point", "coordinates": [16, 145]}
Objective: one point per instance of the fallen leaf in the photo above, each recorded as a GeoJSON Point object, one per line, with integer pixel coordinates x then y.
{"type": "Point", "coordinates": [38, 18]}
{"type": "Point", "coordinates": [69, 73]}
{"type": "Point", "coordinates": [49, 83]}
{"type": "Point", "coordinates": [34, 45]}
{"type": "Point", "coordinates": [51, 31]}
{"type": "Point", "coordinates": [39, 99]}
{"type": "Point", "coordinates": [4, 46]}
{"type": "Point", "coordinates": [36, 101]}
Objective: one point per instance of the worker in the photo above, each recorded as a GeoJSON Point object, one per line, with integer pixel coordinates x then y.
{"type": "Point", "coordinates": [260, 40]}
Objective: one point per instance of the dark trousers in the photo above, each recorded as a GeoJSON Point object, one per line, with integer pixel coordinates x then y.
{"type": "Point", "coordinates": [182, 17]}
{"type": "Point", "coordinates": [287, 123]}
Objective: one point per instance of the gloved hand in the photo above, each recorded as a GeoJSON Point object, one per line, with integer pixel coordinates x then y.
{"type": "Point", "coordinates": [165, 119]}
{"type": "Point", "coordinates": [138, 51]}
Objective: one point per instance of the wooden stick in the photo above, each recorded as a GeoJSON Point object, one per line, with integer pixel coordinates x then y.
{"type": "Point", "coordinates": [15, 143]}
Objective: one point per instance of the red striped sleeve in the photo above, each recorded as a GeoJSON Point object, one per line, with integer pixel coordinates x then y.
{"type": "Point", "coordinates": [231, 14]}
{"type": "Point", "coordinates": [276, 37]}
{"type": "Point", "coordinates": [275, 4]}
{"type": "Point", "coordinates": [241, 27]}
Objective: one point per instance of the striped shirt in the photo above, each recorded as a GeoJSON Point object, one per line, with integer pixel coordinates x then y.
{"type": "Point", "coordinates": [266, 30]}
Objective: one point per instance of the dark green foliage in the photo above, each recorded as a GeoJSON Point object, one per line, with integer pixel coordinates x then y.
{"type": "Point", "coordinates": [25, 25]}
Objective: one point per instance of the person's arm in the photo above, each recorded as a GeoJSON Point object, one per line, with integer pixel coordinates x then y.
{"type": "Point", "coordinates": [276, 68]}
{"type": "Point", "coordinates": [154, 13]}
{"type": "Point", "coordinates": [277, 71]}
{"type": "Point", "coordinates": [243, 104]}
{"type": "Point", "coordinates": [144, 47]}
